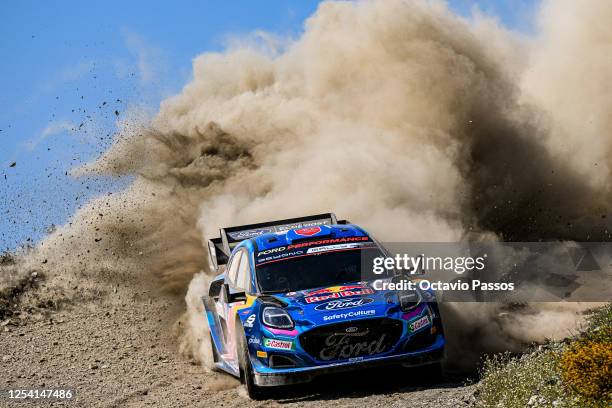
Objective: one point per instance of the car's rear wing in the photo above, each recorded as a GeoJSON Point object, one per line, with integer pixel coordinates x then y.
{"type": "Point", "coordinates": [219, 249]}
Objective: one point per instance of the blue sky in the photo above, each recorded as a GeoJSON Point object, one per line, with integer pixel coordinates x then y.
{"type": "Point", "coordinates": [69, 69]}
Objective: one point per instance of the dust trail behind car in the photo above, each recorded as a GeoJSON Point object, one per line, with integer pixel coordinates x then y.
{"type": "Point", "coordinates": [414, 122]}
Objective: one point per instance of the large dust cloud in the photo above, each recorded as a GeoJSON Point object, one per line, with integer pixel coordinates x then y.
{"type": "Point", "coordinates": [399, 115]}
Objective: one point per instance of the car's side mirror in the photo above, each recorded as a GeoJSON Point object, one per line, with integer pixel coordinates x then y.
{"type": "Point", "coordinates": [237, 297]}
{"type": "Point", "coordinates": [230, 297]}
{"type": "Point", "coordinates": [214, 291]}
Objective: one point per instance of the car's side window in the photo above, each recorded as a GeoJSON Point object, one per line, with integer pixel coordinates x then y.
{"type": "Point", "coordinates": [242, 280]}
{"type": "Point", "coordinates": [232, 271]}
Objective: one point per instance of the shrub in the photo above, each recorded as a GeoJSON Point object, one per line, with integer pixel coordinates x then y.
{"type": "Point", "coordinates": [586, 367]}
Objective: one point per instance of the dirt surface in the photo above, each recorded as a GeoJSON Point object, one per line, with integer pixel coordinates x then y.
{"type": "Point", "coordinates": [122, 351]}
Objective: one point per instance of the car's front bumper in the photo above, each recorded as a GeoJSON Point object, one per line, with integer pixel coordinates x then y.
{"type": "Point", "coordinates": [268, 377]}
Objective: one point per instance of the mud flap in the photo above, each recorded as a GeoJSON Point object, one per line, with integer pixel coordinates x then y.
{"type": "Point", "coordinates": [214, 324]}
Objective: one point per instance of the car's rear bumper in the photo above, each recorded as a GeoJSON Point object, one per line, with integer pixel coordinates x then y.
{"type": "Point", "coordinates": [286, 376]}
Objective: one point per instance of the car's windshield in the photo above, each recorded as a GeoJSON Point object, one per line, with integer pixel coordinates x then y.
{"type": "Point", "coordinates": [317, 270]}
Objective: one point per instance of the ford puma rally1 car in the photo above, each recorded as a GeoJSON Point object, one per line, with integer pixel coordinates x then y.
{"type": "Point", "coordinates": [294, 302]}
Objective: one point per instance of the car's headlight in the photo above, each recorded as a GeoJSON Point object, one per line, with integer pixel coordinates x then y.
{"type": "Point", "coordinates": [276, 317]}
{"type": "Point", "coordinates": [409, 299]}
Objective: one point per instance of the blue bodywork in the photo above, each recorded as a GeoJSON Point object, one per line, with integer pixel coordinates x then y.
{"type": "Point", "coordinates": [342, 327]}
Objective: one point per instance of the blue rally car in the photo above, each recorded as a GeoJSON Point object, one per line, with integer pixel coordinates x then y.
{"type": "Point", "coordinates": [296, 299]}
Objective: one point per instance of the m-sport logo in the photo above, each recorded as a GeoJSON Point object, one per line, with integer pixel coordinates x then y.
{"type": "Point", "coordinates": [343, 304]}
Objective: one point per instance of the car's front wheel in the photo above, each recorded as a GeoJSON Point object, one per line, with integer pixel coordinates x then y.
{"type": "Point", "coordinates": [246, 369]}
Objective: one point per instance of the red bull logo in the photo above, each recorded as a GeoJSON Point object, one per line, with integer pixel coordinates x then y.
{"type": "Point", "coordinates": [337, 292]}
{"type": "Point", "coordinates": [333, 289]}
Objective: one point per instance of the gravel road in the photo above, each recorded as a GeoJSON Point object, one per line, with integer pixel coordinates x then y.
{"type": "Point", "coordinates": [122, 350]}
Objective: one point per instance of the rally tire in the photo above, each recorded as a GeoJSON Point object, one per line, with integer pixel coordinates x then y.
{"type": "Point", "coordinates": [246, 369]}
